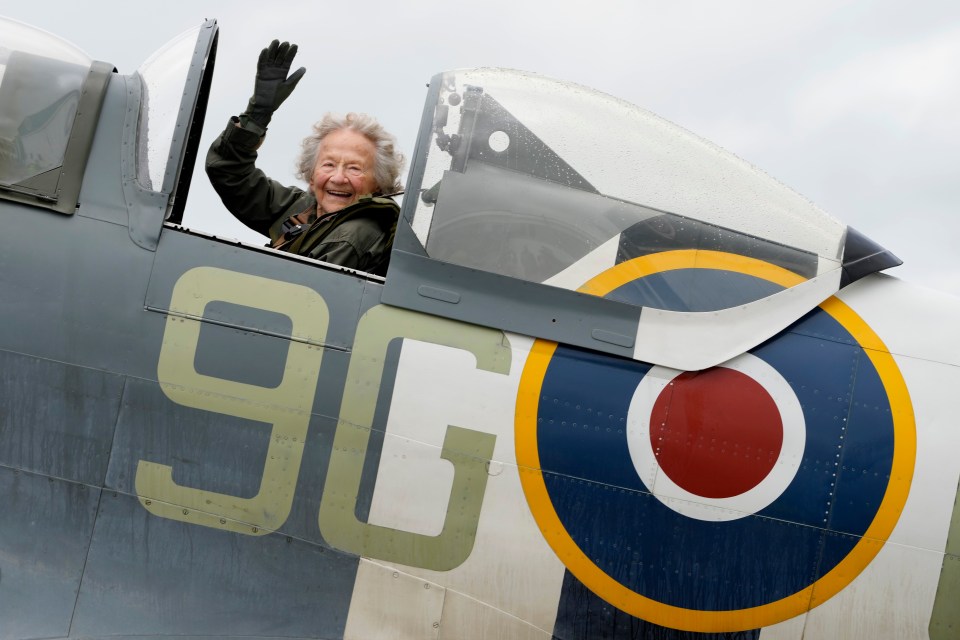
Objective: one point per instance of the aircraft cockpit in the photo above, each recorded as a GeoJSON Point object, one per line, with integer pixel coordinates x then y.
{"type": "Point", "coordinates": [540, 191]}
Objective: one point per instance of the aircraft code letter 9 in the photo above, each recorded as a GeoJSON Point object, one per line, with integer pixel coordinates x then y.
{"type": "Point", "coordinates": [286, 407]}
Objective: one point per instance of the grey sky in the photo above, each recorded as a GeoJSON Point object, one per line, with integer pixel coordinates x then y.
{"type": "Point", "coordinates": [854, 104]}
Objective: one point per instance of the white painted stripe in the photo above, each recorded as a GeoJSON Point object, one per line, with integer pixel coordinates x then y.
{"type": "Point", "coordinates": [692, 341]}
{"type": "Point", "coordinates": [587, 267]}
{"type": "Point", "coordinates": [511, 568]}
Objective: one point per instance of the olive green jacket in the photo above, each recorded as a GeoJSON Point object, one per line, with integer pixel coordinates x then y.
{"type": "Point", "coordinates": [358, 237]}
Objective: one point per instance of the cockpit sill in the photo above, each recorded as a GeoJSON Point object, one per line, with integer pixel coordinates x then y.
{"type": "Point", "coordinates": [326, 266]}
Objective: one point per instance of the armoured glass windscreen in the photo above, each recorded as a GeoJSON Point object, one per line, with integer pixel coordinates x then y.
{"type": "Point", "coordinates": [164, 75]}
{"type": "Point", "coordinates": [41, 78]}
{"type": "Point", "coordinates": [552, 182]}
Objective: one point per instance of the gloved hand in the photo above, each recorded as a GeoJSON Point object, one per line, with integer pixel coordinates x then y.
{"type": "Point", "coordinates": [273, 86]}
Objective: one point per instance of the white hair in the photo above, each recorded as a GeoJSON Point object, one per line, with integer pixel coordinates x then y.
{"type": "Point", "coordinates": [388, 162]}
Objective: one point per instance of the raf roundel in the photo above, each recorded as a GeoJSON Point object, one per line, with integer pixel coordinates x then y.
{"type": "Point", "coordinates": [718, 444]}
{"type": "Point", "coordinates": [727, 499]}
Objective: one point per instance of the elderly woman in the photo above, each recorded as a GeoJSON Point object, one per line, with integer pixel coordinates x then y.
{"type": "Point", "coordinates": [350, 164]}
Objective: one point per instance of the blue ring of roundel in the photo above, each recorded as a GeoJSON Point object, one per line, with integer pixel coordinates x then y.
{"type": "Point", "coordinates": [715, 566]}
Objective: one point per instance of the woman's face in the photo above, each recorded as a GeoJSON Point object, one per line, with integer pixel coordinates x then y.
{"type": "Point", "coordinates": [344, 170]}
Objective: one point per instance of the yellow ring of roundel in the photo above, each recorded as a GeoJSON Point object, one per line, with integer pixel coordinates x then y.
{"type": "Point", "coordinates": [901, 473]}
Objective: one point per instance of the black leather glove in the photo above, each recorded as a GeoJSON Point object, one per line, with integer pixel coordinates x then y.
{"type": "Point", "coordinates": [273, 86]}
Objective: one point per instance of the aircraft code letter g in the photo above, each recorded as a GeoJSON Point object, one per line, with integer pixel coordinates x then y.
{"type": "Point", "coordinates": [468, 450]}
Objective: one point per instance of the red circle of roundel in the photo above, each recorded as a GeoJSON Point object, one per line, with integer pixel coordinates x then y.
{"type": "Point", "coordinates": [716, 433]}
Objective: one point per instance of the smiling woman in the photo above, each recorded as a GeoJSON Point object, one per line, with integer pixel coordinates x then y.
{"type": "Point", "coordinates": [345, 216]}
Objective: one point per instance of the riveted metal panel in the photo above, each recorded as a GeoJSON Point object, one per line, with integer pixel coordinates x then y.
{"type": "Point", "coordinates": [394, 604]}
{"type": "Point", "coordinates": [510, 304]}
{"type": "Point", "coordinates": [44, 536]}
{"type": "Point", "coordinates": [56, 419]}
{"type": "Point", "coordinates": [150, 576]}
{"type": "Point", "coordinates": [467, 619]}
{"type": "Point", "coordinates": [77, 296]}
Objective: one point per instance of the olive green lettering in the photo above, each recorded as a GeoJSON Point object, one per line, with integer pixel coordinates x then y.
{"type": "Point", "coordinates": [287, 407]}
{"type": "Point", "coordinates": [945, 619]}
{"type": "Point", "coordinates": [469, 451]}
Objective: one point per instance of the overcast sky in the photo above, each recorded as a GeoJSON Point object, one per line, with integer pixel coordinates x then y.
{"type": "Point", "coordinates": [854, 104]}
